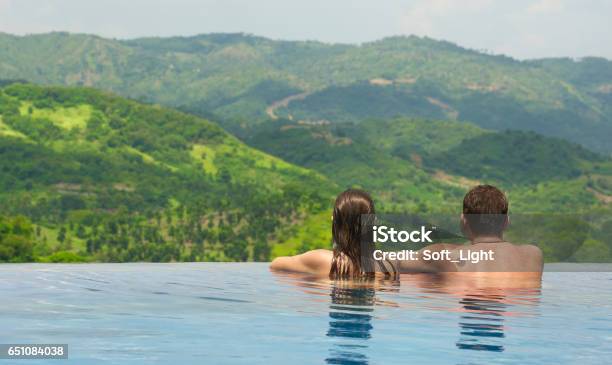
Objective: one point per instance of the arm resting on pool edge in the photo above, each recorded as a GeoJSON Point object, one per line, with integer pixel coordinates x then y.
{"type": "Point", "coordinates": [312, 262]}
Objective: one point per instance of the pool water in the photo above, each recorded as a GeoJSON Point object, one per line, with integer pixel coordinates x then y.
{"type": "Point", "coordinates": [207, 313]}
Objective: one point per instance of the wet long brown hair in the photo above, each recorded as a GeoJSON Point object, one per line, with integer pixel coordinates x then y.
{"type": "Point", "coordinates": [352, 209]}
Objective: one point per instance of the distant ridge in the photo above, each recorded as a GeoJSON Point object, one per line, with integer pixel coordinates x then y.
{"type": "Point", "coordinates": [238, 76]}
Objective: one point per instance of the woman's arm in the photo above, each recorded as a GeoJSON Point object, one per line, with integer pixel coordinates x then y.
{"type": "Point", "coordinates": [312, 262]}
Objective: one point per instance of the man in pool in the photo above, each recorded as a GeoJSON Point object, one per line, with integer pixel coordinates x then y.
{"type": "Point", "coordinates": [483, 221]}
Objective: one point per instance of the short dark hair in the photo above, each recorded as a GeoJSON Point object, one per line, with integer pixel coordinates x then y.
{"type": "Point", "coordinates": [485, 208]}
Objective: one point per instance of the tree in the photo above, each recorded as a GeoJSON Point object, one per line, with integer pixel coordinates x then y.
{"type": "Point", "coordinates": [15, 243]}
{"type": "Point", "coordinates": [61, 235]}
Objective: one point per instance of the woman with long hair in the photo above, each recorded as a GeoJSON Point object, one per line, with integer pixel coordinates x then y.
{"type": "Point", "coordinates": [351, 257]}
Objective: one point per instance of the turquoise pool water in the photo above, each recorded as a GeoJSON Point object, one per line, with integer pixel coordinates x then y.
{"type": "Point", "coordinates": [243, 314]}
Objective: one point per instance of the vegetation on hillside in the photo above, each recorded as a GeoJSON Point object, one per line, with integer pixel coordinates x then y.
{"type": "Point", "coordinates": [16, 239]}
{"type": "Point", "coordinates": [491, 109]}
{"type": "Point", "coordinates": [418, 166]}
{"type": "Point", "coordinates": [237, 76]}
{"type": "Point", "coordinates": [107, 179]}
{"type": "Point", "coordinates": [413, 120]}
{"type": "Point", "coordinates": [113, 180]}
{"type": "Point", "coordinates": [519, 158]}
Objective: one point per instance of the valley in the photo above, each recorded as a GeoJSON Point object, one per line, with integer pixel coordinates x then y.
{"type": "Point", "coordinates": [231, 147]}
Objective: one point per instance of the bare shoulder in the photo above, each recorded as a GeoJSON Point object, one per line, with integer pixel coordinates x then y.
{"type": "Point", "coordinates": [313, 262]}
{"type": "Point", "coordinates": [532, 257]}
{"type": "Point", "coordinates": [319, 252]}
{"type": "Point", "coordinates": [316, 257]}
{"type": "Point", "coordinates": [532, 251]}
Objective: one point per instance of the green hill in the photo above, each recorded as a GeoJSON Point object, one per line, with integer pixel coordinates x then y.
{"type": "Point", "coordinates": [344, 154]}
{"type": "Point", "coordinates": [424, 167]}
{"type": "Point", "coordinates": [244, 80]}
{"type": "Point", "coordinates": [518, 158]}
{"type": "Point", "coordinates": [110, 179]}
{"type": "Point", "coordinates": [423, 164]}
{"type": "Point", "coordinates": [491, 109]}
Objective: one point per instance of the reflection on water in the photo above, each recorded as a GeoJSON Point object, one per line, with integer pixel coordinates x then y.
{"type": "Point", "coordinates": [243, 314]}
{"type": "Point", "coordinates": [479, 306]}
{"type": "Point", "coordinates": [485, 302]}
{"type": "Point", "coordinates": [350, 319]}
{"type": "Point", "coordinates": [482, 325]}
{"type": "Point", "coordinates": [351, 312]}
{"type": "Point", "coordinates": [485, 311]}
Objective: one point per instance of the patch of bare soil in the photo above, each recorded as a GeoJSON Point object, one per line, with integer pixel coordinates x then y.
{"type": "Point", "coordinates": [605, 88]}
{"type": "Point", "coordinates": [606, 199]}
{"type": "Point", "coordinates": [449, 110]}
{"type": "Point", "coordinates": [460, 181]}
{"type": "Point", "coordinates": [283, 103]}
{"type": "Point", "coordinates": [381, 82]}
{"type": "Point", "coordinates": [482, 87]}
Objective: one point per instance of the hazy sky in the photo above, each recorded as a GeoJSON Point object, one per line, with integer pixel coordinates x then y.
{"type": "Point", "coordinates": [519, 28]}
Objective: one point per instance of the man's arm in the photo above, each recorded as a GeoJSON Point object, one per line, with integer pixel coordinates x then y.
{"type": "Point", "coordinates": [312, 262]}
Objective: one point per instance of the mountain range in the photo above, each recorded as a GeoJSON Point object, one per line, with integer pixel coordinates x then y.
{"type": "Point", "coordinates": [245, 80]}
{"type": "Point", "coordinates": [231, 146]}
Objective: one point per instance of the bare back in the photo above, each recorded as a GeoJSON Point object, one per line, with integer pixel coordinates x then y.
{"type": "Point", "coordinates": [484, 257]}
{"type": "Point", "coordinates": [505, 257]}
